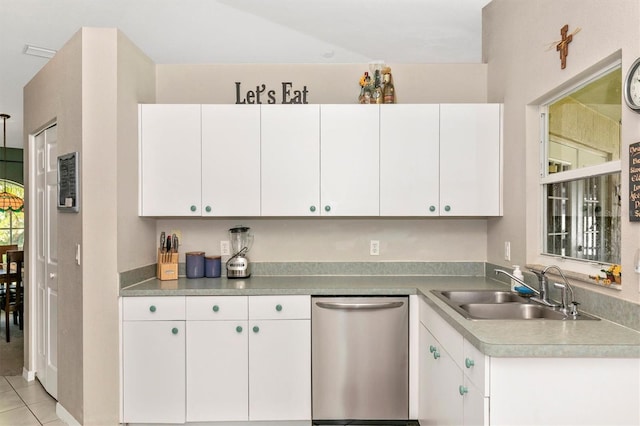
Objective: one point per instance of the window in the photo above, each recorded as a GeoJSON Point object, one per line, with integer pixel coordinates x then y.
{"type": "Point", "coordinates": [581, 179]}
{"type": "Point", "coordinates": [12, 223]}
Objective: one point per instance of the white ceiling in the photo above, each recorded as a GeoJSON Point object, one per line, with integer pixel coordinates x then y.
{"type": "Point", "coordinates": [241, 31]}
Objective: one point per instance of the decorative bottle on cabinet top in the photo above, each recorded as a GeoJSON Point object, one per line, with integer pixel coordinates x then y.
{"type": "Point", "coordinates": [388, 92]}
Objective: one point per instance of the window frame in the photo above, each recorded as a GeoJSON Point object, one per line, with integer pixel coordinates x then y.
{"type": "Point", "coordinates": [545, 178]}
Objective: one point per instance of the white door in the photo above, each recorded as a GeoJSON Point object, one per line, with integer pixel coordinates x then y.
{"type": "Point", "coordinates": [231, 160]}
{"type": "Point", "coordinates": [470, 164]}
{"type": "Point", "coordinates": [409, 160]}
{"type": "Point", "coordinates": [290, 160]}
{"type": "Point", "coordinates": [350, 160]}
{"type": "Point", "coordinates": [170, 176]}
{"type": "Point", "coordinates": [46, 259]}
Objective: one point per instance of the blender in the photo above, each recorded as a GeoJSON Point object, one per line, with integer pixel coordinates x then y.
{"type": "Point", "coordinates": [241, 242]}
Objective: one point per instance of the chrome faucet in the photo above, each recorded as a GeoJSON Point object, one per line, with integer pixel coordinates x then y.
{"type": "Point", "coordinates": [568, 305]}
{"type": "Point", "coordinates": [542, 293]}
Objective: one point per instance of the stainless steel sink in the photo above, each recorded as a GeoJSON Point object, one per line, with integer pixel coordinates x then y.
{"type": "Point", "coordinates": [500, 305]}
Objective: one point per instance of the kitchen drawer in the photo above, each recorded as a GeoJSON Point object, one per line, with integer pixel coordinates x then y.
{"type": "Point", "coordinates": [153, 308]}
{"type": "Point", "coordinates": [476, 367]}
{"type": "Point", "coordinates": [280, 307]}
{"type": "Point", "coordinates": [217, 307]}
{"type": "Point", "coordinates": [448, 337]}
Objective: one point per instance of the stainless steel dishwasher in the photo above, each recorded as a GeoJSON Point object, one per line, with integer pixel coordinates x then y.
{"type": "Point", "coordinates": [360, 358]}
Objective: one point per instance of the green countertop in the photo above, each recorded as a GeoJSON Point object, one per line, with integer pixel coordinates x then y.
{"type": "Point", "coordinates": [497, 338]}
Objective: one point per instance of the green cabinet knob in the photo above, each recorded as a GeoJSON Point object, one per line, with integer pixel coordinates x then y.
{"type": "Point", "coordinates": [327, 208]}
{"type": "Point", "coordinates": [208, 209]}
{"type": "Point", "coordinates": [193, 208]}
{"type": "Point", "coordinates": [432, 208]}
{"type": "Point", "coordinates": [432, 348]}
{"type": "Point", "coordinates": [447, 208]}
{"type": "Point", "coordinates": [312, 209]}
{"type": "Point", "coordinates": [278, 308]}
{"type": "Point", "coordinates": [256, 328]}
{"type": "Point", "coordinates": [436, 355]}
{"type": "Point", "coordinates": [174, 330]}
{"type": "Point", "coordinates": [469, 363]}
{"type": "Point", "coordinates": [216, 308]}
{"type": "Point", "coordinates": [462, 389]}
{"type": "Point", "coordinates": [239, 329]}
{"type": "Point", "coordinates": [152, 308]}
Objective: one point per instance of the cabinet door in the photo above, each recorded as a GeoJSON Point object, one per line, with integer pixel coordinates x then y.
{"type": "Point", "coordinates": [475, 405]}
{"type": "Point", "coordinates": [217, 376]}
{"type": "Point", "coordinates": [280, 370]}
{"type": "Point", "coordinates": [470, 159]}
{"type": "Point", "coordinates": [440, 378]}
{"type": "Point", "coordinates": [231, 160]}
{"type": "Point", "coordinates": [169, 149]}
{"type": "Point", "coordinates": [349, 160]}
{"type": "Point", "coordinates": [409, 160]}
{"type": "Point", "coordinates": [290, 165]}
{"type": "Point", "coordinates": [154, 376]}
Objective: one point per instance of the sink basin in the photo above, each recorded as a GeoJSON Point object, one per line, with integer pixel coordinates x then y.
{"type": "Point", "coordinates": [500, 305]}
{"type": "Point", "coordinates": [482, 296]}
{"type": "Point", "coordinates": [511, 311]}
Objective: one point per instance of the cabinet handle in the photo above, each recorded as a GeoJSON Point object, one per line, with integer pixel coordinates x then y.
{"type": "Point", "coordinates": [432, 348]}
{"type": "Point", "coordinates": [216, 308]}
{"type": "Point", "coordinates": [174, 330]}
{"type": "Point", "coordinates": [469, 363]}
{"type": "Point", "coordinates": [239, 329]}
{"type": "Point", "coordinates": [432, 208]}
{"type": "Point", "coordinates": [462, 389]}
{"type": "Point", "coordinates": [312, 209]}
{"type": "Point", "coordinates": [208, 209]}
{"type": "Point", "coordinates": [152, 308]}
{"type": "Point", "coordinates": [278, 308]}
{"type": "Point", "coordinates": [447, 208]}
{"type": "Point", "coordinates": [193, 208]}
{"type": "Point", "coordinates": [256, 328]}
{"type": "Point", "coordinates": [327, 208]}
{"type": "Point", "coordinates": [436, 354]}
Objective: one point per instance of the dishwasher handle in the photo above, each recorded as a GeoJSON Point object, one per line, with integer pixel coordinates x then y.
{"type": "Point", "coordinates": [358, 306]}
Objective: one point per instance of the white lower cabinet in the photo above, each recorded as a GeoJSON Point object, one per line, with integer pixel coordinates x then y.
{"type": "Point", "coordinates": [459, 385]}
{"type": "Point", "coordinates": [228, 358]}
{"type": "Point", "coordinates": [153, 360]}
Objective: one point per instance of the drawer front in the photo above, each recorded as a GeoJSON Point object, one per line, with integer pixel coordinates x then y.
{"type": "Point", "coordinates": [217, 307]}
{"type": "Point", "coordinates": [448, 337]}
{"type": "Point", "coordinates": [280, 307]}
{"type": "Point", "coordinates": [153, 308]}
{"type": "Point", "coordinates": [476, 367]}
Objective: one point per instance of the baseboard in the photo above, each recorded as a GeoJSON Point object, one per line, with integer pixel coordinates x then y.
{"type": "Point", "coordinates": [65, 416]}
{"type": "Point", "coordinates": [28, 375]}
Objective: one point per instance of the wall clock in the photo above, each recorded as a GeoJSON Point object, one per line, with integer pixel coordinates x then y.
{"type": "Point", "coordinates": [632, 87]}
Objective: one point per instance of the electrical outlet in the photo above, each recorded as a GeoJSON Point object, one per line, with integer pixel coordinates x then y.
{"type": "Point", "coordinates": [374, 248]}
{"type": "Point", "coordinates": [224, 248]}
{"type": "Point", "coordinates": [507, 250]}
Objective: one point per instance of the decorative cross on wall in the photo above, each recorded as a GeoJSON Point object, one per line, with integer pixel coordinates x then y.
{"type": "Point", "coordinates": [563, 46]}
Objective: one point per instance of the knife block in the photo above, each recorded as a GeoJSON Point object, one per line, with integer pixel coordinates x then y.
{"type": "Point", "coordinates": [167, 266]}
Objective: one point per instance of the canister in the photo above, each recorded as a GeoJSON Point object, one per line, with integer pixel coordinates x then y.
{"type": "Point", "coordinates": [195, 264]}
{"type": "Point", "coordinates": [212, 266]}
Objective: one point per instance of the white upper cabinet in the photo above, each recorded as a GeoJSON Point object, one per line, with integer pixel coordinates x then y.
{"type": "Point", "coordinates": [290, 167]}
{"type": "Point", "coordinates": [470, 159]}
{"type": "Point", "coordinates": [409, 160]}
{"type": "Point", "coordinates": [230, 160]}
{"type": "Point", "coordinates": [169, 158]}
{"type": "Point", "coordinates": [349, 160]}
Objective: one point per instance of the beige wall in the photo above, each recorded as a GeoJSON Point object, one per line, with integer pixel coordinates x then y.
{"type": "Point", "coordinates": [91, 88]}
{"type": "Point", "coordinates": [522, 72]}
{"type": "Point", "coordinates": [323, 240]}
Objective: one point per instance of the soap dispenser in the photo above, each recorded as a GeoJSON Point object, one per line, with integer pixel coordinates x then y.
{"type": "Point", "coordinates": [518, 274]}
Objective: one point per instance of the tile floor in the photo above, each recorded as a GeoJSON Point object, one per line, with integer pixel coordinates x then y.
{"type": "Point", "coordinates": [26, 403]}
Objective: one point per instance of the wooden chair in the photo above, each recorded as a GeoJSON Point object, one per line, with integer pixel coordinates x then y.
{"type": "Point", "coordinates": [8, 295]}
